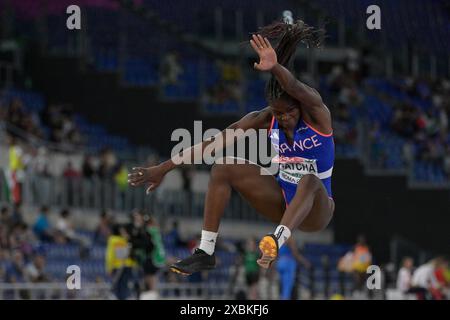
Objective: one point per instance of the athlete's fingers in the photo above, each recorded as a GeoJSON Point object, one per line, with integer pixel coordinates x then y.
{"type": "Point", "coordinates": [138, 171]}
{"type": "Point", "coordinates": [254, 46]}
{"type": "Point", "coordinates": [135, 179]}
{"type": "Point", "coordinates": [136, 183]}
{"type": "Point", "coordinates": [135, 175]}
{"type": "Point", "coordinates": [262, 42]}
{"type": "Point", "coordinates": [257, 41]}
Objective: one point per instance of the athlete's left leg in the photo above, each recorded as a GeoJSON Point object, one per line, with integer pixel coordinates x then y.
{"type": "Point", "coordinates": [310, 210]}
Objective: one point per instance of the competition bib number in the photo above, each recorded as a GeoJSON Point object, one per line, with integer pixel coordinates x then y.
{"type": "Point", "coordinates": [293, 169]}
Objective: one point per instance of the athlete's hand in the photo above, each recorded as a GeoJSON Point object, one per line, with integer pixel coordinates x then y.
{"type": "Point", "coordinates": [267, 55]}
{"type": "Point", "coordinates": [152, 177]}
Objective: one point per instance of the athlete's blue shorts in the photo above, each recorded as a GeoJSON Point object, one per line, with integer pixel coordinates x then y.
{"type": "Point", "coordinates": [289, 189]}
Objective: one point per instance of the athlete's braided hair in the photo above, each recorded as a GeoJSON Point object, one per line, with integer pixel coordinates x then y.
{"type": "Point", "coordinates": [288, 36]}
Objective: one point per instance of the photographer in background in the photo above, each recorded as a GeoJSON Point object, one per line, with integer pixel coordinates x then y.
{"type": "Point", "coordinates": [156, 257]}
{"type": "Point", "coordinates": [141, 245]}
{"type": "Point", "coordinates": [119, 264]}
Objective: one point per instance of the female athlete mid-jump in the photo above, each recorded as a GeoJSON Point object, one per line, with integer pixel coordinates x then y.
{"type": "Point", "coordinates": [299, 196]}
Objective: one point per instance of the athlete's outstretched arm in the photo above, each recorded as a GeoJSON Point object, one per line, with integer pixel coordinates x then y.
{"type": "Point", "coordinates": [295, 88]}
{"type": "Point", "coordinates": [153, 176]}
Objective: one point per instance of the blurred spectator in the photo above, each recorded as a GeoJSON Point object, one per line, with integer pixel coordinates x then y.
{"type": "Point", "coordinates": [4, 241]}
{"type": "Point", "coordinates": [21, 238]}
{"type": "Point", "coordinates": [362, 259]}
{"type": "Point", "coordinates": [447, 161]}
{"type": "Point", "coordinates": [17, 215]}
{"type": "Point", "coordinates": [238, 281]}
{"type": "Point", "coordinates": [70, 172]}
{"type": "Point", "coordinates": [15, 172]}
{"type": "Point", "coordinates": [171, 69]}
{"type": "Point", "coordinates": [39, 163]}
{"type": "Point", "coordinates": [424, 282]}
{"type": "Point", "coordinates": [140, 241]}
{"type": "Point", "coordinates": [251, 255]}
{"type": "Point", "coordinates": [15, 113]}
{"type": "Point", "coordinates": [229, 71]}
{"type": "Point", "coordinates": [42, 227]}
{"type": "Point", "coordinates": [88, 168]}
{"type": "Point", "coordinates": [64, 226]}
{"type": "Point", "coordinates": [35, 270]}
{"type": "Point", "coordinates": [441, 291]}
{"type": "Point", "coordinates": [404, 276]}
{"type": "Point", "coordinates": [173, 237]}
{"type": "Point", "coordinates": [156, 257]}
{"type": "Point", "coordinates": [194, 242]}
{"type": "Point", "coordinates": [108, 163]}
{"type": "Point", "coordinates": [66, 232]}
{"type": "Point", "coordinates": [5, 217]}
{"type": "Point", "coordinates": [287, 264]}
{"type": "Point", "coordinates": [71, 176]}
{"type": "Point", "coordinates": [119, 264]}
{"type": "Point", "coordinates": [103, 230]}
{"type": "Point", "coordinates": [121, 180]}
{"type": "Point", "coordinates": [15, 271]}
{"type": "Point", "coordinates": [4, 261]}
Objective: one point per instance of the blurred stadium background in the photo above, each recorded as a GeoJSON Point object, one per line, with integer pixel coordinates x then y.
{"type": "Point", "coordinates": [79, 108]}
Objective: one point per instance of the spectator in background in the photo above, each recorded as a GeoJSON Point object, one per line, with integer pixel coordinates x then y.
{"type": "Point", "coordinates": [119, 264]}
{"type": "Point", "coordinates": [440, 292]}
{"type": "Point", "coordinates": [447, 161]}
{"type": "Point", "coordinates": [362, 259]}
{"type": "Point", "coordinates": [103, 230]}
{"type": "Point", "coordinates": [89, 172]}
{"type": "Point", "coordinates": [289, 259]}
{"type": "Point", "coordinates": [121, 180]}
{"type": "Point", "coordinates": [194, 242]}
{"type": "Point", "coordinates": [88, 169]}
{"type": "Point", "coordinates": [15, 171]}
{"type": "Point", "coordinates": [17, 215]}
{"type": "Point", "coordinates": [404, 277]}
{"type": "Point", "coordinates": [35, 270]}
{"type": "Point", "coordinates": [251, 267]}
{"type": "Point", "coordinates": [70, 172]}
{"type": "Point", "coordinates": [64, 226]}
{"type": "Point", "coordinates": [173, 236]}
{"type": "Point", "coordinates": [15, 271]}
{"type": "Point", "coordinates": [42, 227]}
{"type": "Point", "coordinates": [71, 176]}
{"type": "Point", "coordinates": [67, 234]}
{"type": "Point", "coordinates": [108, 162]}
{"type": "Point", "coordinates": [15, 113]}
{"type": "Point", "coordinates": [38, 171]}
{"type": "Point", "coordinates": [171, 69]}
{"type": "Point", "coordinates": [5, 217]}
{"type": "Point", "coordinates": [4, 241]}
{"type": "Point", "coordinates": [2, 122]}
{"type": "Point", "coordinates": [424, 282]}
{"type": "Point", "coordinates": [156, 257]}
{"type": "Point", "coordinates": [21, 238]}
{"type": "Point", "coordinates": [4, 261]}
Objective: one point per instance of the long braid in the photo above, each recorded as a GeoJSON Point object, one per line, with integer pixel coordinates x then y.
{"type": "Point", "coordinates": [288, 36]}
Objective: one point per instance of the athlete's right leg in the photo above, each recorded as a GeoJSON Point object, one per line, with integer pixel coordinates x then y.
{"type": "Point", "coordinates": [261, 191]}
